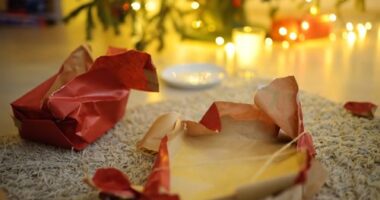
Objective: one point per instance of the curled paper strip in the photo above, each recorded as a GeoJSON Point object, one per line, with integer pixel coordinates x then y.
{"type": "Point", "coordinates": [84, 99]}
{"type": "Point", "coordinates": [236, 151]}
{"type": "Point", "coordinates": [361, 109]}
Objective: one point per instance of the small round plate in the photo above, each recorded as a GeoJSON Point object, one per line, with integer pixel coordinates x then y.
{"type": "Point", "coordinates": [193, 76]}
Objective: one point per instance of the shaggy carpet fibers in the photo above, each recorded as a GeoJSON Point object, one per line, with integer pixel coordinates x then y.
{"type": "Point", "coordinates": [348, 147]}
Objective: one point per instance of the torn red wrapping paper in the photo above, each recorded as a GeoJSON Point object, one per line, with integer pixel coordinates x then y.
{"type": "Point", "coordinates": [84, 99]}
{"type": "Point", "coordinates": [113, 182]}
{"type": "Point", "coordinates": [362, 109]}
{"type": "Point", "coordinates": [158, 180]}
{"type": "Point", "coordinates": [236, 151]}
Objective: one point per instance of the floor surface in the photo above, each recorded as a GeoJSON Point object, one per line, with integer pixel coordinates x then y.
{"type": "Point", "coordinates": [338, 70]}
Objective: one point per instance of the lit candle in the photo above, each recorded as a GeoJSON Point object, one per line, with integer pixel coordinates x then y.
{"type": "Point", "coordinates": [249, 42]}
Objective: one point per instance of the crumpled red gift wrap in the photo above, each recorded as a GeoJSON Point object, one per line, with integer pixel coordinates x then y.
{"type": "Point", "coordinates": [262, 147]}
{"type": "Point", "coordinates": [84, 99]}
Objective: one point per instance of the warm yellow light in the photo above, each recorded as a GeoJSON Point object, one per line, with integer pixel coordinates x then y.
{"type": "Point", "coordinates": [344, 35]}
{"type": "Point", "coordinates": [194, 5]}
{"type": "Point", "coordinates": [211, 28]}
{"type": "Point", "coordinates": [293, 36]}
{"type": "Point", "coordinates": [229, 48]}
{"type": "Point", "coordinates": [282, 31]}
{"type": "Point", "coordinates": [197, 24]}
{"type": "Point", "coordinates": [325, 18]}
{"type": "Point", "coordinates": [305, 25]}
{"type": "Point", "coordinates": [150, 6]}
{"type": "Point", "coordinates": [249, 43]}
{"type": "Point", "coordinates": [351, 37]}
{"type": "Point", "coordinates": [136, 5]}
{"type": "Point", "coordinates": [301, 37]}
{"type": "Point", "coordinates": [285, 44]}
{"type": "Point", "coordinates": [360, 26]}
{"type": "Point", "coordinates": [219, 40]}
{"type": "Point", "coordinates": [362, 30]}
{"type": "Point", "coordinates": [332, 17]}
{"type": "Point", "coordinates": [308, 1]}
{"type": "Point", "coordinates": [349, 26]}
{"type": "Point", "coordinates": [332, 37]}
{"type": "Point", "coordinates": [313, 10]}
{"type": "Point", "coordinates": [268, 41]}
{"type": "Point", "coordinates": [368, 25]}
{"type": "Point", "coordinates": [247, 29]}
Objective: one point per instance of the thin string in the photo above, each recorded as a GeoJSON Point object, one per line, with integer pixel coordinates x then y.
{"type": "Point", "coordinates": [251, 158]}
{"type": "Point", "coordinates": [264, 167]}
{"type": "Point", "coordinates": [274, 155]}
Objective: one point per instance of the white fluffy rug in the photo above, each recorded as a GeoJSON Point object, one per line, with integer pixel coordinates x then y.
{"type": "Point", "coordinates": [348, 146]}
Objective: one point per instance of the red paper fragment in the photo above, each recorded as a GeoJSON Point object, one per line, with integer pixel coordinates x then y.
{"type": "Point", "coordinates": [85, 98]}
{"type": "Point", "coordinates": [158, 184]}
{"type": "Point", "coordinates": [211, 119]}
{"type": "Point", "coordinates": [361, 109]}
{"type": "Point", "coordinates": [113, 182]}
{"type": "Point", "coordinates": [158, 180]}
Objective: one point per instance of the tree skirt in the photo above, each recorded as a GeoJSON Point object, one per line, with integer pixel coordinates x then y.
{"type": "Point", "coordinates": [348, 146]}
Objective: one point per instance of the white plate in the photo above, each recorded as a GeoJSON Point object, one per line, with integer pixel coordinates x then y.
{"type": "Point", "coordinates": [193, 75]}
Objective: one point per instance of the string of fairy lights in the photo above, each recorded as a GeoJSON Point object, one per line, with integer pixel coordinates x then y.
{"type": "Point", "coordinates": [351, 32]}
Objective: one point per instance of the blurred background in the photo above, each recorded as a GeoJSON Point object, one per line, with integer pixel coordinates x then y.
{"type": "Point", "coordinates": [332, 47]}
